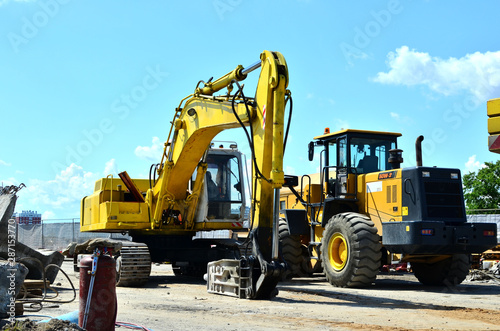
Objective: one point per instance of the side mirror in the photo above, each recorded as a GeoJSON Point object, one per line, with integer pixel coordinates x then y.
{"type": "Point", "coordinates": [311, 151]}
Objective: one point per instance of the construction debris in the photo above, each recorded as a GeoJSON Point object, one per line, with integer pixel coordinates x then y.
{"type": "Point", "coordinates": [11, 189]}
{"type": "Point", "coordinates": [490, 274]}
{"type": "Point", "coordinates": [37, 262]}
{"type": "Point", "coordinates": [90, 245]}
{"type": "Point", "coordinates": [52, 325]}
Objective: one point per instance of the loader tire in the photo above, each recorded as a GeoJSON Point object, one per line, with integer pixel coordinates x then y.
{"type": "Point", "coordinates": [294, 253]}
{"type": "Point", "coordinates": [449, 272]}
{"type": "Point", "coordinates": [350, 251]}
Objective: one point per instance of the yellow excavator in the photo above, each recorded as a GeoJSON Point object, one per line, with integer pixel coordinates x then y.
{"type": "Point", "coordinates": [363, 208]}
{"type": "Point", "coordinates": [194, 186]}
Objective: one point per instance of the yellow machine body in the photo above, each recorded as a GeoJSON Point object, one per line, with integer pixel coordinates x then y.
{"type": "Point", "coordinates": [363, 209]}
{"type": "Point", "coordinates": [379, 197]}
{"type": "Point", "coordinates": [493, 110]}
{"type": "Point", "coordinates": [106, 211]}
{"type": "Point", "coordinates": [170, 205]}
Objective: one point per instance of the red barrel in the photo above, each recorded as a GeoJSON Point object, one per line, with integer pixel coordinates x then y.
{"type": "Point", "coordinates": [103, 306]}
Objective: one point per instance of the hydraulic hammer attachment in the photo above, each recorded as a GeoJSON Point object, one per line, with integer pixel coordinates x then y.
{"type": "Point", "coordinates": [247, 278]}
{"type": "Point", "coordinates": [231, 277]}
{"type": "Point", "coordinates": [238, 278]}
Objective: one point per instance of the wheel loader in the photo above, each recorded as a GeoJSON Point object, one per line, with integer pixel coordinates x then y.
{"type": "Point", "coordinates": [362, 208]}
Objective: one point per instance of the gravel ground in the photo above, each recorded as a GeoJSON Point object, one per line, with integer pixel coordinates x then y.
{"type": "Point", "coordinates": [394, 302]}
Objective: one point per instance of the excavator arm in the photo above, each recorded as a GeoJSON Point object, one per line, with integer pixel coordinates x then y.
{"type": "Point", "coordinates": [201, 118]}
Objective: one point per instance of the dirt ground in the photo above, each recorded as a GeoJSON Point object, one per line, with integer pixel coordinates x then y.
{"type": "Point", "coordinates": [394, 302]}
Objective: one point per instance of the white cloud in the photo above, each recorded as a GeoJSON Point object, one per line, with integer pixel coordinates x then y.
{"type": "Point", "coordinates": [59, 197]}
{"type": "Point", "coordinates": [68, 187]}
{"type": "Point", "coordinates": [340, 125]}
{"type": "Point", "coordinates": [472, 165]}
{"type": "Point", "coordinates": [401, 119]}
{"type": "Point", "coordinates": [289, 170]}
{"type": "Point", "coordinates": [111, 168]}
{"type": "Point", "coordinates": [3, 163]}
{"type": "Point", "coordinates": [47, 215]}
{"type": "Point", "coordinates": [477, 73]}
{"type": "Point", "coordinates": [151, 153]}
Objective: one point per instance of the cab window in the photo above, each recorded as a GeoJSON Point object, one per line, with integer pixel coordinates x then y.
{"type": "Point", "coordinates": [370, 155]}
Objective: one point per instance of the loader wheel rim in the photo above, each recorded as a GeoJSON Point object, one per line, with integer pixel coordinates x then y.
{"type": "Point", "coordinates": [338, 251]}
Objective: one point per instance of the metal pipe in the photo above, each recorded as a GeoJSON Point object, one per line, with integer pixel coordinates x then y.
{"type": "Point", "coordinates": [238, 74]}
{"type": "Point", "coordinates": [418, 150]}
{"type": "Point", "coordinates": [275, 247]}
{"type": "Point", "coordinates": [251, 68]}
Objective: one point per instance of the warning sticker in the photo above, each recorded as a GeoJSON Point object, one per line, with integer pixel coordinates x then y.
{"type": "Point", "coordinates": [374, 187]}
{"type": "Point", "coordinates": [264, 117]}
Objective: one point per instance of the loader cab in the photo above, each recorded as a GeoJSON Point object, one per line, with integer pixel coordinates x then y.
{"type": "Point", "coordinates": [348, 153]}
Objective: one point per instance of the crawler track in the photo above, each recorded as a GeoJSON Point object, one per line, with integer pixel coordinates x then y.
{"type": "Point", "coordinates": [133, 265]}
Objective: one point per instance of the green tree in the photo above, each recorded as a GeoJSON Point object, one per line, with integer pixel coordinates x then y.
{"type": "Point", "coordinates": [482, 189]}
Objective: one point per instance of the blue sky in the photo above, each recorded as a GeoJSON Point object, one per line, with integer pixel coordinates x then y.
{"type": "Point", "coordinates": [88, 88]}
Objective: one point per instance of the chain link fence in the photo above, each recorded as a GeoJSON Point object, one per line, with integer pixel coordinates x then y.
{"type": "Point", "coordinates": [57, 236]}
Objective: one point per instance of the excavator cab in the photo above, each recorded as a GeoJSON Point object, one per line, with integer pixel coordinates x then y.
{"type": "Point", "coordinates": [224, 187]}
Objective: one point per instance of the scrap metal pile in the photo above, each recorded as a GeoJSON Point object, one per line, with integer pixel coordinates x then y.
{"type": "Point", "coordinates": [20, 261]}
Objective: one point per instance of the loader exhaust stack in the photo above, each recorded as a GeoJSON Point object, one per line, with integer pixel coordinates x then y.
{"type": "Point", "coordinates": [418, 150]}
